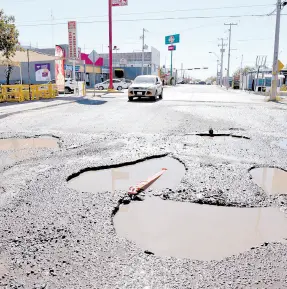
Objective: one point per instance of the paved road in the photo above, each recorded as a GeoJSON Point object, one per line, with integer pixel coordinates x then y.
{"type": "Point", "coordinates": [55, 237]}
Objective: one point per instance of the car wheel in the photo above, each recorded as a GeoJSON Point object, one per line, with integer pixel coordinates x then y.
{"type": "Point", "coordinates": [101, 88]}
{"type": "Point", "coordinates": [160, 96]}
{"type": "Point", "coordinates": [131, 98]}
{"type": "Point", "coordinates": [67, 90]}
{"type": "Point", "coordinates": [119, 88]}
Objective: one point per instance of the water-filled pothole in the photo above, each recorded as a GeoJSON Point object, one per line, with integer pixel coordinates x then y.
{"type": "Point", "coordinates": [122, 177]}
{"type": "Point", "coordinates": [272, 180]}
{"type": "Point", "coordinates": [201, 232]}
{"type": "Point", "coordinates": [28, 143]}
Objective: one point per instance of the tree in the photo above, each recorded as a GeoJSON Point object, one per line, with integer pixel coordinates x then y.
{"type": "Point", "coordinates": [211, 79]}
{"type": "Point", "coordinates": [8, 40]}
{"type": "Point", "coordinates": [244, 70]}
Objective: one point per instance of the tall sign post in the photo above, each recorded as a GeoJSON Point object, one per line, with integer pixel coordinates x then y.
{"type": "Point", "coordinates": [73, 45]}
{"type": "Point", "coordinates": [113, 3]}
{"type": "Point", "coordinates": [93, 56]}
{"type": "Point", "coordinates": [171, 40]}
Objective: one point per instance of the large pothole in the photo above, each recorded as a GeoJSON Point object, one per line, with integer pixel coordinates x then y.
{"type": "Point", "coordinates": [201, 232]}
{"type": "Point", "coordinates": [18, 149]}
{"type": "Point", "coordinates": [28, 143]}
{"type": "Point", "coordinates": [123, 176]}
{"type": "Point", "coordinates": [272, 180]}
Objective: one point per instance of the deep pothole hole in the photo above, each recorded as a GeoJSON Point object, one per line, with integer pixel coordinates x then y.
{"type": "Point", "coordinates": [123, 176]}
{"type": "Point", "coordinates": [201, 232]}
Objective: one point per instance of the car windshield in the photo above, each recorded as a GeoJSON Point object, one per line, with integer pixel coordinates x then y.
{"type": "Point", "coordinates": [145, 79]}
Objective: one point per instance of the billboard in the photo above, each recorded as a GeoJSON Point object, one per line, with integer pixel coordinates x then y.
{"type": "Point", "coordinates": [59, 68]}
{"type": "Point", "coordinates": [120, 3]}
{"type": "Point", "coordinates": [73, 41]}
{"type": "Point", "coordinates": [43, 72]}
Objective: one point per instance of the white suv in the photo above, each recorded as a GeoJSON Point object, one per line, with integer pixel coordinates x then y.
{"type": "Point", "coordinates": [117, 83]}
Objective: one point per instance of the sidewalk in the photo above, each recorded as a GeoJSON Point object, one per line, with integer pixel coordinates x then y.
{"type": "Point", "coordinates": [7, 109]}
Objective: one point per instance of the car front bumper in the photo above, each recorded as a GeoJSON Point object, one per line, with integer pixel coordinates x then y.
{"type": "Point", "coordinates": [141, 93]}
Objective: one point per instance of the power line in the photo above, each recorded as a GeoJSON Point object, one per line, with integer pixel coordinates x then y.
{"type": "Point", "coordinates": [152, 19]}
{"type": "Point", "coordinates": [156, 12]}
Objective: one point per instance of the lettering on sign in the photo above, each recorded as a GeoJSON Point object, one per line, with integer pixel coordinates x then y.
{"type": "Point", "coordinates": [120, 3]}
{"type": "Point", "coordinates": [73, 44]}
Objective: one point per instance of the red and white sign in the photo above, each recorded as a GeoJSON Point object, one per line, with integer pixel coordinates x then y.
{"type": "Point", "coordinates": [73, 40]}
{"type": "Point", "coordinates": [171, 48]}
{"type": "Point", "coordinates": [120, 3]}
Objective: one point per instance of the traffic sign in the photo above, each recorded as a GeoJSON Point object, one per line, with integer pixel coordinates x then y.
{"type": "Point", "coordinates": [280, 65]}
{"type": "Point", "coordinates": [93, 56]}
{"type": "Point", "coordinates": [172, 39]}
{"type": "Point", "coordinates": [171, 48]}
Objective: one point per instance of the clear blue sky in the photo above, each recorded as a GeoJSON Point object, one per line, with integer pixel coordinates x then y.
{"type": "Point", "coordinates": [253, 36]}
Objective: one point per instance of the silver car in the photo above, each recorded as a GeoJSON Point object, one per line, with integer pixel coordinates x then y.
{"type": "Point", "coordinates": [146, 86]}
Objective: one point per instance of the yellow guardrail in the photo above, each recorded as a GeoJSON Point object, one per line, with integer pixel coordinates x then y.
{"type": "Point", "coordinates": [20, 93]}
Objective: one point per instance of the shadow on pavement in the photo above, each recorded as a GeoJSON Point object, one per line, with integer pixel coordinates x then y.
{"type": "Point", "coordinates": [66, 98]}
{"type": "Point", "coordinates": [144, 100]}
{"type": "Point", "coordinates": [86, 101]}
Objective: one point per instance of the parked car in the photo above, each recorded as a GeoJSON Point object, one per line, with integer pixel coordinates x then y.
{"type": "Point", "coordinates": [117, 83]}
{"type": "Point", "coordinates": [202, 83]}
{"type": "Point", "coordinates": [69, 85]}
{"type": "Point", "coordinates": [146, 86]}
{"type": "Point", "coordinates": [128, 83]}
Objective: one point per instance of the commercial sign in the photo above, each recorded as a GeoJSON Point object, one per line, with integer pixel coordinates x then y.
{"type": "Point", "coordinates": [120, 3]}
{"type": "Point", "coordinates": [172, 39]}
{"type": "Point", "coordinates": [171, 48]}
{"type": "Point", "coordinates": [43, 72]}
{"type": "Point", "coordinates": [73, 41]}
{"type": "Point", "coordinates": [70, 67]}
{"type": "Point", "coordinates": [59, 68]}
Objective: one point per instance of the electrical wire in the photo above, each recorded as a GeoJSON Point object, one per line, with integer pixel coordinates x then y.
{"type": "Point", "coordinates": [150, 19]}
{"type": "Point", "coordinates": [157, 12]}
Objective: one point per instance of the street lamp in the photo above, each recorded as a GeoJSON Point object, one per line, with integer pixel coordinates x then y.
{"type": "Point", "coordinates": [211, 52]}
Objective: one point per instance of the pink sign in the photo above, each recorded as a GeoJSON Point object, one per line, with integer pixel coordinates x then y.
{"type": "Point", "coordinates": [171, 48]}
{"type": "Point", "coordinates": [59, 68]}
{"type": "Point", "coordinates": [120, 3]}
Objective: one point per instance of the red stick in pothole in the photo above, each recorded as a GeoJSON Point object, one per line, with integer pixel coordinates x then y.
{"type": "Point", "coordinates": [145, 184]}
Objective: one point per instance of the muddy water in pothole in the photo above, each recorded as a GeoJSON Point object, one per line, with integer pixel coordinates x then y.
{"type": "Point", "coordinates": [201, 232]}
{"type": "Point", "coordinates": [123, 178]}
{"type": "Point", "coordinates": [16, 149]}
{"type": "Point", "coordinates": [26, 143]}
{"type": "Point", "coordinates": [272, 180]}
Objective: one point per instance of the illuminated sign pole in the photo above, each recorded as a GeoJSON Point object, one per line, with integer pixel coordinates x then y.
{"type": "Point", "coordinates": [111, 4]}
{"type": "Point", "coordinates": [171, 40]}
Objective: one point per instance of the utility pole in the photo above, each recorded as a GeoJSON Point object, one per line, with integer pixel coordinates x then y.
{"type": "Point", "coordinates": [229, 49]}
{"type": "Point", "coordinates": [143, 48]}
{"type": "Point", "coordinates": [222, 50]}
{"type": "Point", "coordinates": [241, 72]}
{"type": "Point", "coordinates": [275, 72]}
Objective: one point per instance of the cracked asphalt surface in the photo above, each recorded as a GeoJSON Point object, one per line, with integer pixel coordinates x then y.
{"type": "Point", "coordinates": [54, 237]}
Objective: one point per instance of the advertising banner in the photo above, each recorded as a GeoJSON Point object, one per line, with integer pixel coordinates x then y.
{"type": "Point", "coordinates": [43, 72]}
{"type": "Point", "coordinates": [73, 41]}
{"type": "Point", "coordinates": [120, 2]}
{"type": "Point", "coordinates": [59, 68]}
